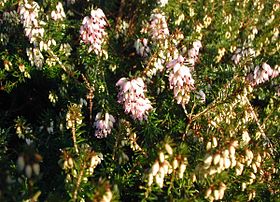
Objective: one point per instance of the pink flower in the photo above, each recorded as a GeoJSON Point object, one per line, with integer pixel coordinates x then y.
{"type": "Point", "coordinates": [92, 30]}
{"type": "Point", "coordinates": [262, 74]}
{"type": "Point", "coordinates": [180, 80]}
{"type": "Point", "coordinates": [158, 27]}
{"type": "Point", "coordinates": [132, 96]}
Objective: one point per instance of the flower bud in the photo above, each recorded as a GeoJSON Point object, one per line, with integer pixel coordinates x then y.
{"type": "Point", "coordinates": [231, 150]}
{"type": "Point", "coordinates": [150, 179]}
{"type": "Point", "coordinates": [159, 181]}
{"type": "Point", "coordinates": [70, 162]}
{"type": "Point", "coordinates": [208, 146]}
{"type": "Point", "coordinates": [227, 163]}
{"type": "Point", "coordinates": [208, 193]}
{"type": "Point", "coordinates": [243, 186]}
{"type": "Point", "coordinates": [207, 161]}
{"type": "Point", "coordinates": [161, 157]}
{"type": "Point", "coordinates": [36, 168]}
{"type": "Point", "coordinates": [216, 159]}
{"type": "Point", "coordinates": [168, 149]}
{"type": "Point", "coordinates": [239, 168]}
{"type": "Point", "coordinates": [65, 165]}
{"type": "Point", "coordinates": [254, 167]}
{"type": "Point", "coordinates": [226, 153]}
{"type": "Point", "coordinates": [155, 168]}
{"type": "Point", "coordinates": [28, 171]}
{"type": "Point", "coordinates": [233, 162]}
{"type": "Point", "coordinates": [259, 158]}
{"type": "Point", "coordinates": [20, 163]}
{"type": "Point", "coordinates": [212, 171]}
{"type": "Point", "coordinates": [214, 142]}
{"type": "Point", "coordinates": [216, 194]}
{"type": "Point", "coordinates": [165, 168]}
{"type": "Point", "coordinates": [193, 177]}
{"type": "Point", "coordinates": [182, 170]}
{"type": "Point", "coordinates": [175, 164]}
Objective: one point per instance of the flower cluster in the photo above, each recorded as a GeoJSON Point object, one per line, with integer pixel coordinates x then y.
{"type": "Point", "coordinates": [180, 80]}
{"type": "Point", "coordinates": [163, 167]}
{"type": "Point", "coordinates": [29, 164]}
{"type": "Point", "coordinates": [219, 161]}
{"type": "Point", "coordinates": [93, 30]}
{"type": "Point", "coordinates": [193, 54]}
{"type": "Point", "coordinates": [35, 56]}
{"type": "Point", "coordinates": [141, 46]}
{"type": "Point", "coordinates": [240, 54]}
{"type": "Point", "coordinates": [74, 116]}
{"type": "Point", "coordinates": [59, 13]}
{"type": "Point", "coordinates": [103, 126]}
{"type": "Point", "coordinates": [158, 28]}
{"type": "Point", "coordinates": [262, 74]}
{"type": "Point", "coordinates": [216, 194]}
{"type": "Point", "coordinates": [132, 96]}
{"type": "Point", "coordinates": [29, 14]}
{"type": "Point", "coordinates": [162, 3]}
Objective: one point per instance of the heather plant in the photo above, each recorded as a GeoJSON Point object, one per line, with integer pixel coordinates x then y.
{"type": "Point", "coordinates": [139, 100]}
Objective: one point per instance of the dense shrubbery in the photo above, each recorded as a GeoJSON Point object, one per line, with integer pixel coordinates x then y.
{"type": "Point", "coordinates": [139, 100]}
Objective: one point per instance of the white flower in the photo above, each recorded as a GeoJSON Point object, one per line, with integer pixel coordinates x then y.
{"type": "Point", "coordinates": [103, 126]}
{"type": "Point", "coordinates": [141, 46]}
{"type": "Point", "coordinates": [59, 13]}
{"type": "Point", "coordinates": [162, 3]}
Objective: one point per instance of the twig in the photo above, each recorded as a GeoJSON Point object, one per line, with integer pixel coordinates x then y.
{"type": "Point", "coordinates": [74, 137]}
{"type": "Point", "coordinates": [75, 193]}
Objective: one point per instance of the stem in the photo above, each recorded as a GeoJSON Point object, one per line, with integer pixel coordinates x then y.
{"type": "Point", "coordinates": [74, 138]}
{"type": "Point", "coordinates": [75, 192]}
{"type": "Point", "coordinates": [90, 96]}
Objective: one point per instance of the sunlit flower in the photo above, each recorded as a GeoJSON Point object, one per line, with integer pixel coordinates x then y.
{"type": "Point", "coordinates": [162, 2]}
{"type": "Point", "coordinates": [158, 28]}
{"type": "Point", "coordinates": [92, 30]}
{"type": "Point", "coordinates": [262, 74]}
{"type": "Point", "coordinates": [180, 80]}
{"type": "Point", "coordinates": [132, 96]}
{"type": "Point", "coordinates": [59, 13]}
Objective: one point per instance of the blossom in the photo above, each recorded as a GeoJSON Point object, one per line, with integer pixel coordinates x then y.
{"type": "Point", "coordinates": [92, 30]}
{"type": "Point", "coordinates": [158, 28]}
{"type": "Point", "coordinates": [262, 74]}
{"type": "Point", "coordinates": [180, 80]}
{"type": "Point", "coordinates": [103, 126]}
{"type": "Point", "coordinates": [162, 3]}
{"type": "Point", "coordinates": [132, 96]}
{"type": "Point", "coordinates": [141, 46]}
{"type": "Point", "coordinates": [241, 53]}
{"type": "Point", "coordinates": [35, 57]}
{"type": "Point", "coordinates": [193, 54]}
{"type": "Point", "coordinates": [29, 14]}
{"type": "Point", "coordinates": [59, 13]}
